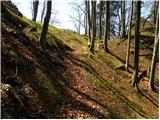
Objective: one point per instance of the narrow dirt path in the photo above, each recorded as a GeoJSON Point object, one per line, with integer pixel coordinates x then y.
{"type": "Point", "coordinates": [78, 104]}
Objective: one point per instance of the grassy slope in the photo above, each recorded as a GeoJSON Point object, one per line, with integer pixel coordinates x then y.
{"type": "Point", "coordinates": [100, 70]}
{"type": "Point", "coordinates": [117, 94]}
{"type": "Point", "coordinates": [38, 72]}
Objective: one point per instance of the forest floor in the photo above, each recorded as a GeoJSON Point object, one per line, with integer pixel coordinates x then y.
{"type": "Point", "coordinates": [97, 90]}
{"type": "Point", "coordinates": [66, 80]}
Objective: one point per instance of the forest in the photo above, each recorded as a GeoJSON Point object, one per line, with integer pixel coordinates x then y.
{"type": "Point", "coordinates": [107, 67]}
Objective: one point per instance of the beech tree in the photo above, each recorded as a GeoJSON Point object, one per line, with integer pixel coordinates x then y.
{"type": "Point", "coordinates": [46, 23]}
{"type": "Point", "coordinates": [155, 50]}
{"type": "Point", "coordinates": [107, 27]}
{"type": "Point", "coordinates": [137, 40]}
{"type": "Point", "coordinates": [123, 18]}
{"type": "Point", "coordinates": [155, 11]}
{"type": "Point", "coordinates": [100, 21]}
{"type": "Point", "coordinates": [77, 17]}
{"type": "Point", "coordinates": [35, 9]}
{"type": "Point", "coordinates": [89, 22]}
{"type": "Point", "coordinates": [93, 27]}
{"type": "Point", "coordinates": [129, 35]}
{"type": "Point", "coordinates": [43, 10]}
{"type": "Point", "coordinates": [85, 19]}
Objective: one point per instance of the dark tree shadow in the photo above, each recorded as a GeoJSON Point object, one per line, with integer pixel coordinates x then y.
{"type": "Point", "coordinates": [149, 97]}
{"type": "Point", "coordinates": [90, 69]}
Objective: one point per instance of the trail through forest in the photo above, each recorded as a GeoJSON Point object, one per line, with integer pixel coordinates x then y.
{"type": "Point", "coordinates": [87, 98]}
{"type": "Point", "coordinates": [78, 103]}
{"type": "Point", "coordinates": [65, 80]}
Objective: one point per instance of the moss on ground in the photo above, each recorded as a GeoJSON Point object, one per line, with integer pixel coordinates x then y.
{"type": "Point", "coordinates": [47, 92]}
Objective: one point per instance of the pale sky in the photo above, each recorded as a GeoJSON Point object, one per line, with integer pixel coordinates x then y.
{"type": "Point", "coordinates": [61, 7]}
{"type": "Point", "coordinates": [62, 10]}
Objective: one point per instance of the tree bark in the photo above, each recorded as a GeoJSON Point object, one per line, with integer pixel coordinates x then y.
{"type": "Point", "coordinates": [129, 36]}
{"type": "Point", "coordinates": [155, 11]}
{"type": "Point", "coordinates": [123, 18]}
{"type": "Point", "coordinates": [119, 25]}
{"type": "Point", "coordinates": [107, 25]}
{"type": "Point", "coordinates": [100, 21]}
{"type": "Point", "coordinates": [45, 24]}
{"type": "Point", "coordinates": [79, 24]}
{"type": "Point", "coordinates": [85, 18]}
{"type": "Point", "coordinates": [137, 40]}
{"type": "Point", "coordinates": [155, 50]}
{"type": "Point", "coordinates": [89, 23]}
{"type": "Point", "coordinates": [43, 11]}
{"type": "Point", "coordinates": [93, 33]}
{"type": "Point", "coordinates": [35, 9]}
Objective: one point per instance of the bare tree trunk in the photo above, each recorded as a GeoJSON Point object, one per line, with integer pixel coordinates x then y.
{"type": "Point", "coordinates": [123, 18]}
{"type": "Point", "coordinates": [100, 21]}
{"type": "Point", "coordinates": [35, 9]}
{"type": "Point", "coordinates": [43, 11]}
{"type": "Point", "coordinates": [93, 33]}
{"type": "Point", "coordinates": [85, 18]}
{"type": "Point", "coordinates": [46, 23]}
{"type": "Point", "coordinates": [85, 25]}
{"type": "Point", "coordinates": [107, 25]}
{"type": "Point", "coordinates": [153, 64]}
{"type": "Point", "coordinates": [119, 26]}
{"type": "Point", "coordinates": [89, 23]}
{"type": "Point", "coordinates": [129, 36]}
{"type": "Point", "coordinates": [79, 24]}
{"type": "Point", "coordinates": [155, 11]}
{"type": "Point", "coordinates": [137, 40]}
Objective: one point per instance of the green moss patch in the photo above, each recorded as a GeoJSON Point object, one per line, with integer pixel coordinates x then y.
{"type": "Point", "coordinates": [47, 92]}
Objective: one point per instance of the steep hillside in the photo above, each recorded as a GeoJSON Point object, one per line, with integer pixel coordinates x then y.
{"type": "Point", "coordinates": [30, 70]}
{"type": "Point", "coordinates": [65, 80]}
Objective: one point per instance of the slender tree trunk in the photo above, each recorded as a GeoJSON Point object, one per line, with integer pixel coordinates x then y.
{"type": "Point", "coordinates": [89, 23]}
{"type": "Point", "coordinates": [137, 40]}
{"type": "Point", "coordinates": [93, 33]}
{"type": "Point", "coordinates": [85, 18]}
{"type": "Point", "coordinates": [107, 25]}
{"type": "Point", "coordinates": [79, 25]}
{"type": "Point", "coordinates": [45, 24]}
{"type": "Point", "coordinates": [129, 36]}
{"type": "Point", "coordinates": [43, 11]}
{"type": "Point", "coordinates": [123, 18]}
{"type": "Point", "coordinates": [153, 64]}
{"type": "Point", "coordinates": [119, 26]}
{"type": "Point", "coordinates": [35, 9]}
{"type": "Point", "coordinates": [155, 11]}
{"type": "Point", "coordinates": [85, 25]}
{"type": "Point", "coordinates": [100, 21]}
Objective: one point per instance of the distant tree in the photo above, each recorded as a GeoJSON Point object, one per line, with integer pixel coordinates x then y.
{"type": "Point", "coordinates": [85, 19]}
{"type": "Point", "coordinates": [123, 18]}
{"type": "Point", "coordinates": [43, 10]}
{"type": "Point", "coordinates": [129, 35]}
{"type": "Point", "coordinates": [107, 26]}
{"type": "Point", "coordinates": [89, 22]}
{"type": "Point", "coordinates": [93, 28]}
{"type": "Point", "coordinates": [114, 18]}
{"type": "Point", "coordinates": [155, 10]}
{"type": "Point", "coordinates": [155, 51]}
{"type": "Point", "coordinates": [77, 18]}
{"type": "Point", "coordinates": [46, 23]}
{"type": "Point", "coordinates": [35, 9]}
{"type": "Point", "coordinates": [137, 41]}
{"type": "Point", "coordinates": [100, 20]}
